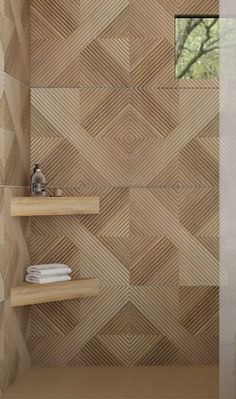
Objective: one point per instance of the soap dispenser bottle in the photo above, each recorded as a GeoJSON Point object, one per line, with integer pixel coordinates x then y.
{"type": "Point", "coordinates": [38, 183]}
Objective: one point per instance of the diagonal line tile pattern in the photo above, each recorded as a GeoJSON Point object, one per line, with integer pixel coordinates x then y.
{"type": "Point", "coordinates": [109, 119]}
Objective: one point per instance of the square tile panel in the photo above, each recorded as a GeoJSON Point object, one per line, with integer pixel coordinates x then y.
{"type": "Point", "coordinates": [54, 47]}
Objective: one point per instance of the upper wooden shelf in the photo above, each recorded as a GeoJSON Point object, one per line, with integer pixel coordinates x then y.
{"type": "Point", "coordinates": [46, 206]}
{"type": "Point", "coordinates": [30, 294]}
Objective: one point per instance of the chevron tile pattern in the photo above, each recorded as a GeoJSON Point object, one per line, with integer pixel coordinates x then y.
{"type": "Point", "coordinates": [109, 119]}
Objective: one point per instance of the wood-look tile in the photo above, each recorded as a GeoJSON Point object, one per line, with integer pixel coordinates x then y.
{"type": "Point", "coordinates": [16, 133]}
{"type": "Point", "coordinates": [152, 44]}
{"type": "Point", "coordinates": [199, 310]}
{"type": "Point", "coordinates": [83, 342]}
{"type": "Point", "coordinates": [1, 35]}
{"type": "Point", "coordinates": [153, 261]}
{"type": "Point", "coordinates": [14, 242]}
{"type": "Point", "coordinates": [185, 152]}
{"type": "Point", "coordinates": [2, 136]}
{"type": "Point", "coordinates": [91, 247]}
{"type": "Point", "coordinates": [105, 139]}
{"type": "Point", "coordinates": [14, 257]}
{"type": "Point", "coordinates": [14, 335]}
{"type": "Point", "coordinates": [209, 7]}
{"type": "Point", "coordinates": [55, 138]}
{"type": "Point", "coordinates": [14, 171]}
{"type": "Point", "coordinates": [104, 59]}
{"type": "Point", "coordinates": [55, 48]}
{"type": "Point", "coordinates": [1, 242]}
{"type": "Point", "coordinates": [147, 145]}
{"type": "Point", "coordinates": [80, 126]}
{"type": "Point", "coordinates": [112, 382]}
{"type": "Point", "coordinates": [17, 39]}
{"type": "Point", "coordinates": [97, 55]}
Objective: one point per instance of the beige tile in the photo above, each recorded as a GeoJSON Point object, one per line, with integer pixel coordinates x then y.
{"type": "Point", "coordinates": [16, 132]}
{"type": "Point", "coordinates": [2, 35]}
{"type": "Point", "coordinates": [14, 242]}
{"type": "Point", "coordinates": [104, 59]}
{"type": "Point", "coordinates": [14, 334]}
{"type": "Point", "coordinates": [147, 145]}
{"type": "Point", "coordinates": [179, 146]}
{"type": "Point", "coordinates": [2, 112]}
{"type": "Point", "coordinates": [54, 46]}
{"type": "Point", "coordinates": [17, 39]}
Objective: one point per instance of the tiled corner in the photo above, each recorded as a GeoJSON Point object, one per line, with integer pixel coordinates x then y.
{"type": "Point", "coordinates": [17, 40]}
{"type": "Point", "coordinates": [16, 162]}
{"type": "Point", "coordinates": [14, 244]}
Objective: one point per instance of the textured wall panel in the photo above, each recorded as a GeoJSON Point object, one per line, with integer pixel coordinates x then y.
{"type": "Point", "coordinates": [80, 42]}
{"type": "Point", "coordinates": [104, 59]}
{"type": "Point", "coordinates": [17, 39]}
{"type": "Point", "coordinates": [1, 35]}
{"type": "Point", "coordinates": [14, 256]}
{"type": "Point", "coordinates": [107, 43]}
{"type": "Point", "coordinates": [55, 37]}
{"type": "Point", "coordinates": [76, 125]}
{"type": "Point", "coordinates": [186, 150]}
{"type": "Point", "coordinates": [16, 157]}
{"type": "Point", "coordinates": [152, 41]}
{"type": "Point", "coordinates": [115, 123]}
{"type": "Point", "coordinates": [14, 131]}
{"type": "Point", "coordinates": [2, 135]}
{"type": "Point", "coordinates": [14, 175]}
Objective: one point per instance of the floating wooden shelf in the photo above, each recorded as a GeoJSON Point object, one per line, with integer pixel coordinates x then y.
{"type": "Point", "coordinates": [46, 206]}
{"type": "Point", "coordinates": [30, 294]}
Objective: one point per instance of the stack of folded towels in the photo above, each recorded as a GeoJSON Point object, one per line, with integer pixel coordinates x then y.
{"type": "Point", "coordinates": [50, 273]}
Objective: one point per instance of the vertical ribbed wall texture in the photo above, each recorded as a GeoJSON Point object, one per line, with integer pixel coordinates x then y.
{"type": "Point", "coordinates": [110, 119]}
{"type": "Point", "coordinates": [14, 177]}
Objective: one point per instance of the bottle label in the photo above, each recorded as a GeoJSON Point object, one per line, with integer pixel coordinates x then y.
{"type": "Point", "coordinates": [38, 187]}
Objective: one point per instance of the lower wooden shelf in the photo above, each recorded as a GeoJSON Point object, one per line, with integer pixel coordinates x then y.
{"type": "Point", "coordinates": [30, 294]}
{"type": "Point", "coordinates": [49, 206]}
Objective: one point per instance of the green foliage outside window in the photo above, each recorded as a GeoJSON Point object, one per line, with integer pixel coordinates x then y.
{"type": "Point", "coordinates": [197, 48]}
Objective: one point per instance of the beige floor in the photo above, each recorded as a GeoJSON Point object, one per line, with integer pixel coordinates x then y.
{"type": "Point", "coordinates": [117, 383]}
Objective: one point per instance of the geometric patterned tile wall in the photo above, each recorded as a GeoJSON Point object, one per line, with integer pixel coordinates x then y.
{"type": "Point", "coordinates": [14, 175]}
{"type": "Point", "coordinates": [14, 323]}
{"type": "Point", "coordinates": [17, 39]}
{"type": "Point", "coordinates": [15, 133]}
{"type": "Point", "coordinates": [109, 119]}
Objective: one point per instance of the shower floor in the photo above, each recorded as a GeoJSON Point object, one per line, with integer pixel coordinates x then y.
{"type": "Point", "coordinates": [117, 383]}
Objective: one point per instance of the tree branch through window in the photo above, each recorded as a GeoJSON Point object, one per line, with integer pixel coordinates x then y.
{"type": "Point", "coordinates": [197, 48]}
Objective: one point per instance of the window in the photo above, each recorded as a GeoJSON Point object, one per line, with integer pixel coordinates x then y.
{"type": "Point", "coordinates": [197, 47]}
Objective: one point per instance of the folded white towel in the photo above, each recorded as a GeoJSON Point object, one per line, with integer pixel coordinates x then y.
{"type": "Point", "coordinates": [49, 269]}
{"type": "Point", "coordinates": [50, 273]}
{"type": "Point", "coordinates": [30, 278]}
